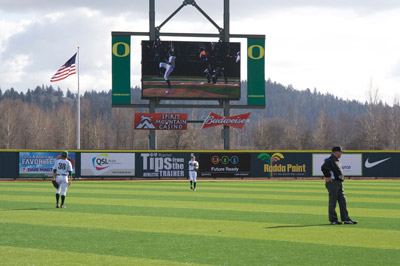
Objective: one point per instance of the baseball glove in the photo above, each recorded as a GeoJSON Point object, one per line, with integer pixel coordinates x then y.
{"type": "Point", "coordinates": [55, 184]}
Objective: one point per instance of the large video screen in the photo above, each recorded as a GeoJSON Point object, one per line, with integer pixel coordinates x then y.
{"type": "Point", "coordinates": [190, 70]}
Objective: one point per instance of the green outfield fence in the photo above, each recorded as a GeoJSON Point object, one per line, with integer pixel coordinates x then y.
{"type": "Point", "coordinates": [171, 164]}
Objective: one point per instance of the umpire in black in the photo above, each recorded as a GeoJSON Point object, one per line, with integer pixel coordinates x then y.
{"type": "Point", "coordinates": [333, 173]}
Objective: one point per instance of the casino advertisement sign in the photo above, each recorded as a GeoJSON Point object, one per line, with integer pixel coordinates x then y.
{"type": "Point", "coordinates": [281, 164]}
{"type": "Point", "coordinates": [225, 165]}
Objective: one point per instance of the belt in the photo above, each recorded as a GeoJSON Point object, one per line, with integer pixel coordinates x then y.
{"type": "Point", "coordinates": [62, 174]}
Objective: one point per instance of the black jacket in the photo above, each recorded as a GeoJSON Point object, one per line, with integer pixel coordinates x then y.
{"type": "Point", "coordinates": [332, 165]}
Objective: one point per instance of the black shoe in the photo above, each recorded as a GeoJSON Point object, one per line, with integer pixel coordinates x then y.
{"type": "Point", "coordinates": [350, 222]}
{"type": "Point", "coordinates": [191, 188]}
{"type": "Point", "coordinates": [57, 206]}
{"type": "Point", "coordinates": [336, 223]}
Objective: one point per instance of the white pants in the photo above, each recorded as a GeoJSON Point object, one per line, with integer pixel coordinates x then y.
{"type": "Point", "coordinates": [168, 70]}
{"type": "Point", "coordinates": [193, 176]}
{"type": "Point", "coordinates": [62, 181]}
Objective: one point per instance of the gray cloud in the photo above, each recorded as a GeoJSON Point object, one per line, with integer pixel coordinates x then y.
{"type": "Point", "coordinates": [44, 38]}
{"type": "Point", "coordinates": [36, 51]}
{"type": "Point", "coordinates": [395, 73]}
{"type": "Point", "coordinates": [165, 7]}
{"type": "Point", "coordinates": [46, 43]}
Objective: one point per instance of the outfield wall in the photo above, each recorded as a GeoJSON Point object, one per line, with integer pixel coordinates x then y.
{"type": "Point", "coordinates": [18, 164]}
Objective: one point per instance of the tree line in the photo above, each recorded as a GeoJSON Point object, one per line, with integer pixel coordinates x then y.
{"type": "Point", "coordinates": [45, 118]}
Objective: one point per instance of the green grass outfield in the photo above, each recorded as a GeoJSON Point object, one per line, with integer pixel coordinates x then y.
{"type": "Point", "coordinates": [223, 223]}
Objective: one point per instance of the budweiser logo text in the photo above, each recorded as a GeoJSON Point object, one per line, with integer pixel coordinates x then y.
{"type": "Point", "coordinates": [236, 121]}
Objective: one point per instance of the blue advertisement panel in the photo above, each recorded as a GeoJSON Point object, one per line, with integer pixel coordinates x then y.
{"type": "Point", "coordinates": [40, 164]}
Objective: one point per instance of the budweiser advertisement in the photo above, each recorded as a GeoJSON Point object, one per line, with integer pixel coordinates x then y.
{"type": "Point", "coordinates": [236, 121]}
{"type": "Point", "coordinates": [160, 121]}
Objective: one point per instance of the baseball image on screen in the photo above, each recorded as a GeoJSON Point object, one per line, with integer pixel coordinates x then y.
{"type": "Point", "coordinates": [190, 70]}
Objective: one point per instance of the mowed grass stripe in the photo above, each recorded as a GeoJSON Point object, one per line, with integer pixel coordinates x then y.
{"type": "Point", "coordinates": [376, 184]}
{"type": "Point", "coordinates": [278, 208]}
{"type": "Point", "coordinates": [296, 219]}
{"type": "Point", "coordinates": [212, 197]}
{"type": "Point", "coordinates": [354, 184]}
{"type": "Point", "coordinates": [102, 228]}
{"type": "Point", "coordinates": [34, 256]}
{"type": "Point", "coordinates": [355, 237]}
{"type": "Point", "coordinates": [292, 191]}
{"type": "Point", "coordinates": [278, 190]}
{"type": "Point", "coordinates": [379, 184]}
{"type": "Point", "coordinates": [190, 248]}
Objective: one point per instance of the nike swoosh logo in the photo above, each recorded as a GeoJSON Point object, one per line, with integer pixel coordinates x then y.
{"type": "Point", "coordinates": [370, 165]}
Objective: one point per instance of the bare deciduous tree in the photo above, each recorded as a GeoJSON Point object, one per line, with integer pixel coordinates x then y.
{"type": "Point", "coordinates": [324, 134]}
{"type": "Point", "coordinates": [371, 121]}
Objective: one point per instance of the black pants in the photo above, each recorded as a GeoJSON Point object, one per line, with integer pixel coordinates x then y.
{"type": "Point", "coordinates": [336, 194]}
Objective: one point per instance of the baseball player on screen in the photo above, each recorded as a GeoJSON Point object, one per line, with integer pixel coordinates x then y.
{"type": "Point", "coordinates": [169, 67]}
{"type": "Point", "coordinates": [62, 175]}
{"type": "Point", "coordinates": [193, 167]}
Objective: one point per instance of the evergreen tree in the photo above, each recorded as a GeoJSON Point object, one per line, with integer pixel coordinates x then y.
{"type": "Point", "coordinates": [70, 94]}
{"type": "Point", "coordinates": [28, 97]}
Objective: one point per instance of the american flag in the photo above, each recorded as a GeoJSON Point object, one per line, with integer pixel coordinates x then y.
{"type": "Point", "coordinates": [66, 70]}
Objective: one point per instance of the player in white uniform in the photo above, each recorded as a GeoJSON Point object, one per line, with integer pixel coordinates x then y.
{"type": "Point", "coordinates": [193, 167]}
{"type": "Point", "coordinates": [169, 67]}
{"type": "Point", "coordinates": [62, 174]}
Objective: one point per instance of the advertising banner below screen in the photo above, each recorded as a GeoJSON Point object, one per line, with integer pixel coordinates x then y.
{"type": "Point", "coordinates": [224, 164]}
{"type": "Point", "coordinates": [235, 121]}
{"type": "Point", "coordinates": [281, 164]}
{"type": "Point", "coordinates": [163, 164]}
{"type": "Point", "coordinates": [108, 164]}
{"type": "Point", "coordinates": [40, 164]}
{"type": "Point", "coordinates": [160, 121]}
{"type": "Point", "coordinates": [351, 164]}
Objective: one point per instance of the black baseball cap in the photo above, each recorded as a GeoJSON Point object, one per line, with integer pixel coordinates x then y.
{"type": "Point", "coordinates": [64, 154]}
{"type": "Point", "coordinates": [337, 149]}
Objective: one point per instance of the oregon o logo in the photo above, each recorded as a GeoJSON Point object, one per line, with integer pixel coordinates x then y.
{"type": "Point", "coordinates": [250, 52]}
{"type": "Point", "coordinates": [115, 49]}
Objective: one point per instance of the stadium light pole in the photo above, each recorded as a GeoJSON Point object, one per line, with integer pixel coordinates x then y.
{"type": "Point", "coordinates": [226, 104]}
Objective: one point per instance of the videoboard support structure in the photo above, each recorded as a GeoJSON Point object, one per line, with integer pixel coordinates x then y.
{"type": "Point", "coordinates": [121, 96]}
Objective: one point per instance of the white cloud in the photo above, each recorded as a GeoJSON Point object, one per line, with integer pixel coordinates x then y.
{"type": "Point", "coordinates": [336, 46]}
{"type": "Point", "coordinates": [333, 50]}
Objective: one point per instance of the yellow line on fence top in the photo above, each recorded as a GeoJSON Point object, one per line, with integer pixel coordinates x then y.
{"type": "Point", "coordinates": [211, 151]}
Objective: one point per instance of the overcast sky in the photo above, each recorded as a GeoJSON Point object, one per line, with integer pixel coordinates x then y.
{"type": "Point", "coordinates": [336, 46]}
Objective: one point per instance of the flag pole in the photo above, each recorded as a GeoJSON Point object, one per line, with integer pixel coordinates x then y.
{"type": "Point", "coordinates": [78, 112]}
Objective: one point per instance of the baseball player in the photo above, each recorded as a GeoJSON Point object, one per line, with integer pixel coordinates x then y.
{"type": "Point", "coordinates": [62, 175]}
{"type": "Point", "coordinates": [169, 67]}
{"type": "Point", "coordinates": [193, 167]}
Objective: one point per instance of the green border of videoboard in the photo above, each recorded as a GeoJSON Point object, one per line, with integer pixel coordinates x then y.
{"type": "Point", "coordinates": [220, 151]}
